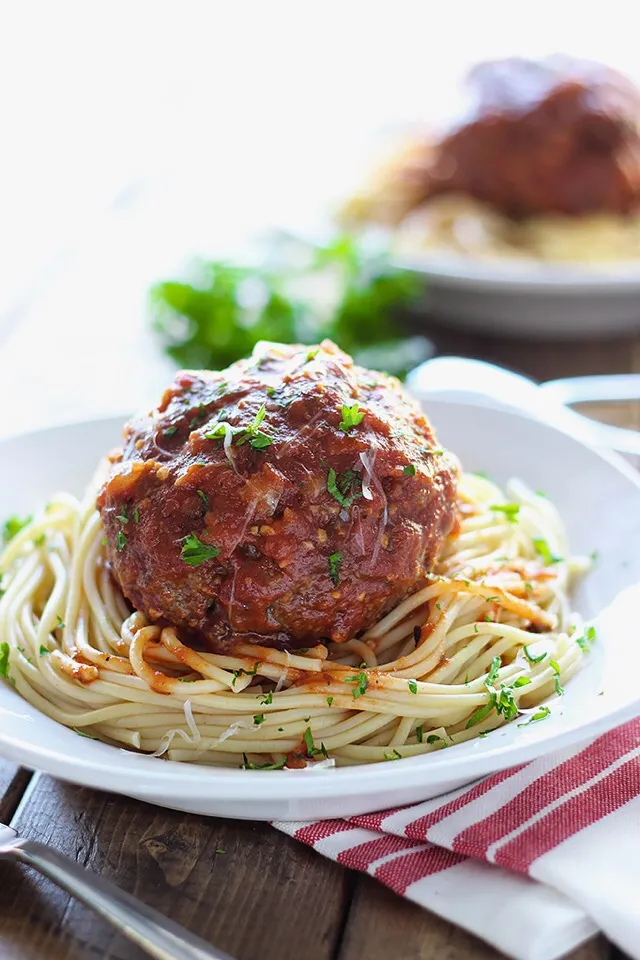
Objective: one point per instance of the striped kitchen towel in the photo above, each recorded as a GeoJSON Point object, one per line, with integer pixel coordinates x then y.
{"type": "Point", "coordinates": [534, 860]}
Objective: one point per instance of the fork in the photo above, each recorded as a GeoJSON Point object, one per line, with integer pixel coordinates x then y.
{"type": "Point", "coordinates": [159, 936]}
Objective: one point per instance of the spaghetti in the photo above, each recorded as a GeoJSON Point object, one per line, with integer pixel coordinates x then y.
{"type": "Point", "coordinates": [453, 661]}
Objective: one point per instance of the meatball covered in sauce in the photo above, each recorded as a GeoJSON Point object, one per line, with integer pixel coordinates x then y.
{"type": "Point", "coordinates": [290, 498]}
{"type": "Point", "coordinates": [559, 136]}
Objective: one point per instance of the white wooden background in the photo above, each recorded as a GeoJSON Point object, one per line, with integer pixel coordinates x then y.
{"type": "Point", "coordinates": [135, 133]}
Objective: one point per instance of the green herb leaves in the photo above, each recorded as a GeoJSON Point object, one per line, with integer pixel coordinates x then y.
{"type": "Point", "coordinates": [409, 470]}
{"type": "Point", "coordinates": [312, 750]}
{"type": "Point", "coordinates": [540, 714]}
{"type": "Point", "coordinates": [252, 434]}
{"type": "Point", "coordinates": [225, 319]}
{"type": "Point", "coordinates": [204, 498]}
{"type": "Point", "coordinates": [483, 711]}
{"type": "Point", "coordinates": [587, 638]}
{"type": "Point", "coordinates": [492, 676]}
{"type": "Point", "coordinates": [413, 686]}
{"type": "Point", "coordinates": [555, 666]}
{"type": "Point", "coordinates": [545, 552]}
{"type": "Point", "coordinates": [363, 682]}
{"type": "Point", "coordinates": [530, 657]}
{"type": "Point", "coordinates": [4, 660]}
{"type": "Point", "coordinates": [344, 489]}
{"type": "Point", "coordinates": [194, 551]}
{"type": "Point", "coordinates": [246, 765]}
{"type": "Point", "coordinates": [352, 416]}
{"type": "Point", "coordinates": [12, 526]}
{"type": "Point", "coordinates": [121, 541]}
{"type": "Point", "coordinates": [335, 562]}
{"type": "Point", "coordinates": [510, 510]}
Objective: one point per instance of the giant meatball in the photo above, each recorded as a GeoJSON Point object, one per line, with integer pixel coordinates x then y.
{"type": "Point", "coordinates": [558, 136]}
{"type": "Point", "coordinates": [292, 497]}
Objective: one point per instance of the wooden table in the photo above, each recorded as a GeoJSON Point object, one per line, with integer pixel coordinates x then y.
{"type": "Point", "coordinates": [246, 888]}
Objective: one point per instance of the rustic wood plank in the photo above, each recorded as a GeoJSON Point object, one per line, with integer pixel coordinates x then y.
{"type": "Point", "coordinates": [266, 896]}
{"type": "Point", "coordinates": [384, 926]}
{"type": "Point", "coordinates": [13, 783]}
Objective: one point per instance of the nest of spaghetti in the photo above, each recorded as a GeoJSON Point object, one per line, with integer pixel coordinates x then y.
{"type": "Point", "coordinates": [489, 639]}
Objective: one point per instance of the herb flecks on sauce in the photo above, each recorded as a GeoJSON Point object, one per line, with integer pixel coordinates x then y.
{"type": "Point", "coordinates": [346, 488]}
{"type": "Point", "coordinates": [194, 551]}
{"type": "Point", "coordinates": [352, 416]}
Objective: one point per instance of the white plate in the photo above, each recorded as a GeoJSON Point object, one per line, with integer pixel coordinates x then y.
{"type": "Point", "coordinates": [599, 497]}
{"type": "Point", "coordinates": [530, 299]}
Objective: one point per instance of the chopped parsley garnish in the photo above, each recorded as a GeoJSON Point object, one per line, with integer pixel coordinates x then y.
{"type": "Point", "coordinates": [194, 551]}
{"type": "Point", "coordinates": [506, 704]}
{"type": "Point", "coordinates": [81, 733]}
{"type": "Point", "coordinates": [545, 552]}
{"type": "Point", "coordinates": [121, 541]}
{"type": "Point", "coordinates": [482, 711]}
{"type": "Point", "coordinates": [409, 470]}
{"type": "Point", "coordinates": [4, 660]}
{"type": "Point", "coordinates": [540, 714]}
{"type": "Point", "coordinates": [199, 418]}
{"type": "Point", "coordinates": [219, 430]}
{"type": "Point", "coordinates": [13, 526]}
{"type": "Point", "coordinates": [530, 657]}
{"type": "Point", "coordinates": [268, 699]}
{"type": "Point", "coordinates": [43, 650]}
{"type": "Point", "coordinates": [485, 733]}
{"type": "Point", "coordinates": [39, 540]}
{"type": "Point", "coordinates": [521, 682]}
{"type": "Point", "coordinates": [260, 441]}
{"type": "Point", "coordinates": [240, 435]}
{"type": "Point", "coordinates": [312, 750]}
{"type": "Point", "coordinates": [492, 676]}
{"type": "Point", "coordinates": [363, 682]}
{"type": "Point", "coordinates": [352, 416]}
{"type": "Point", "coordinates": [329, 701]}
{"type": "Point", "coordinates": [420, 734]}
{"type": "Point", "coordinates": [136, 515]}
{"type": "Point", "coordinates": [393, 756]}
{"type": "Point", "coordinates": [335, 562]}
{"type": "Point", "coordinates": [271, 391]}
{"type": "Point", "coordinates": [169, 431]}
{"type": "Point", "coordinates": [247, 673]}
{"type": "Point", "coordinates": [433, 738]}
{"type": "Point", "coordinates": [344, 489]}
{"type": "Point", "coordinates": [510, 510]}
{"type": "Point", "coordinates": [204, 498]}
{"type": "Point", "coordinates": [413, 686]}
{"type": "Point", "coordinates": [555, 666]}
{"type": "Point", "coordinates": [123, 516]}
{"type": "Point", "coordinates": [246, 765]}
{"type": "Point", "coordinates": [258, 719]}
{"type": "Point", "coordinates": [60, 622]}
{"type": "Point", "coordinates": [312, 354]}
{"type": "Point", "coordinates": [587, 638]}
{"type": "Point", "coordinates": [593, 556]}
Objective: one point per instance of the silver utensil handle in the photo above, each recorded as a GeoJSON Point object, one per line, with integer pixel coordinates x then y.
{"type": "Point", "coordinates": [159, 936]}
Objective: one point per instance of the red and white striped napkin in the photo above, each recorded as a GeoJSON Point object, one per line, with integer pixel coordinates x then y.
{"type": "Point", "coordinates": [534, 860]}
